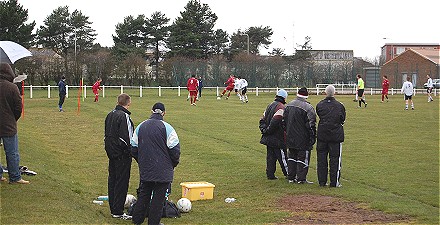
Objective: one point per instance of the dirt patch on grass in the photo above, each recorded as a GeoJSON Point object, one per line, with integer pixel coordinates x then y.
{"type": "Point", "coordinates": [316, 209]}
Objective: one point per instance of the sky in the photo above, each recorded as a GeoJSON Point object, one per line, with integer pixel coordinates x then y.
{"type": "Point", "coordinates": [361, 26]}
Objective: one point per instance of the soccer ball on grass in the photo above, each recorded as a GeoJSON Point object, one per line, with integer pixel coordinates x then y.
{"type": "Point", "coordinates": [218, 98]}
{"type": "Point", "coordinates": [184, 205]}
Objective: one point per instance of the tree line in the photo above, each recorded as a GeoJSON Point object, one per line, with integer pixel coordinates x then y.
{"type": "Point", "coordinates": [150, 51]}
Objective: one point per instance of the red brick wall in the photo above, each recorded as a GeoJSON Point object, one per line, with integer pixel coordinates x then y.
{"type": "Point", "coordinates": [409, 62]}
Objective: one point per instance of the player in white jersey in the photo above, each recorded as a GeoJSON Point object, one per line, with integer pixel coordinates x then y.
{"type": "Point", "coordinates": [243, 90]}
{"type": "Point", "coordinates": [407, 89]}
{"type": "Point", "coordinates": [237, 87]}
{"type": "Point", "coordinates": [430, 85]}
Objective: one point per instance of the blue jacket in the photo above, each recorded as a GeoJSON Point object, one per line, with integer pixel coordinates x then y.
{"type": "Point", "coordinates": [156, 148]}
{"type": "Point", "coordinates": [62, 87]}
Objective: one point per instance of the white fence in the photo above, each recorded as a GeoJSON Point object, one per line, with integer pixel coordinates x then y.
{"type": "Point", "coordinates": [257, 90]}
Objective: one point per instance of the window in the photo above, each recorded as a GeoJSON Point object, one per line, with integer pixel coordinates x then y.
{"type": "Point", "coordinates": [414, 80]}
{"type": "Point", "coordinates": [400, 50]}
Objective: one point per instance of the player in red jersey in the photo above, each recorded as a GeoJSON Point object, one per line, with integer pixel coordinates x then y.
{"type": "Point", "coordinates": [192, 86]}
{"type": "Point", "coordinates": [229, 87]}
{"type": "Point", "coordinates": [96, 87]}
{"type": "Point", "coordinates": [385, 87]}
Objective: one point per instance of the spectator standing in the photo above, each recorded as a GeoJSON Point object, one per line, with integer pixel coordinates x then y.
{"type": "Point", "coordinates": [192, 86]}
{"type": "Point", "coordinates": [360, 91]}
{"type": "Point", "coordinates": [330, 137]}
{"type": "Point", "coordinates": [385, 87]}
{"type": "Point", "coordinates": [407, 89]}
{"type": "Point", "coordinates": [157, 150]}
{"type": "Point", "coordinates": [62, 93]}
{"type": "Point", "coordinates": [96, 88]}
{"type": "Point", "coordinates": [118, 133]}
{"type": "Point", "coordinates": [273, 135]}
{"type": "Point", "coordinates": [429, 87]}
{"type": "Point", "coordinates": [299, 119]}
{"type": "Point", "coordinates": [10, 112]}
{"type": "Point", "coordinates": [200, 86]}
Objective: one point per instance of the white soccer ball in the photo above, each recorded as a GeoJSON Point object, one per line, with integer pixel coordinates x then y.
{"type": "Point", "coordinates": [218, 98]}
{"type": "Point", "coordinates": [184, 205]}
{"type": "Point", "coordinates": [129, 200]}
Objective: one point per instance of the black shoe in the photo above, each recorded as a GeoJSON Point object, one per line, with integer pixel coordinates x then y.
{"type": "Point", "coordinates": [272, 178]}
{"type": "Point", "coordinates": [294, 181]}
{"type": "Point", "coordinates": [305, 182]}
{"type": "Point", "coordinates": [323, 185]}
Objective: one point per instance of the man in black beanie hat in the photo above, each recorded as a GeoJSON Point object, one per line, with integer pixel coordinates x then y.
{"type": "Point", "coordinates": [299, 119]}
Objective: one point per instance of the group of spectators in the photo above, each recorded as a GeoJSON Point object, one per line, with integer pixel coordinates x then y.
{"type": "Point", "coordinates": [289, 131]}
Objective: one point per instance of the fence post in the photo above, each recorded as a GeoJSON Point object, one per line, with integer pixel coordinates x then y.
{"type": "Point", "coordinates": [371, 91]}
{"type": "Point", "coordinates": [277, 90]}
{"type": "Point", "coordinates": [256, 91]}
{"type": "Point", "coordinates": [317, 90]}
{"type": "Point", "coordinates": [140, 91]}
{"type": "Point", "coordinates": [342, 89]}
{"type": "Point", "coordinates": [217, 91]}
{"type": "Point", "coordinates": [178, 90]}
{"type": "Point", "coordinates": [30, 90]}
{"type": "Point", "coordinates": [414, 90]}
{"type": "Point", "coordinates": [85, 91]}
{"type": "Point", "coordinates": [67, 91]}
{"type": "Point", "coordinates": [160, 91]}
{"type": "Point", "coordinates": [435, 91]}
{"type": "Point", "coordinates": [48, 91]}
{"type": "Point", "coordinates": [103, 91]}
{"type": "Point", "coordinates": [392, 91]}
{"type": "Point", "coordinates": [122, 89]}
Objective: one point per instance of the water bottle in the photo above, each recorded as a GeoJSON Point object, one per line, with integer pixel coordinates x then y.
{"type": "Point", "coordinates": [98, 202]}
{"type": "Point", "coordinates": [229, 200]}
{"type": "Point", "coordinates": [103, 198]}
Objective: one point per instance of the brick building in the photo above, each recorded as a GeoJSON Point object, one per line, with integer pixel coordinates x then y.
{"type": "Point", "coordinates": [414, 63]}
{"type": "Point", "coordinates": [391, 50]}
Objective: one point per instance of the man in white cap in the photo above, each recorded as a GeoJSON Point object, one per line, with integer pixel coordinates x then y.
{"type": "Point", "coordinates": [299, 120]}
{"type": "Point", "coordinates": [273, 135]}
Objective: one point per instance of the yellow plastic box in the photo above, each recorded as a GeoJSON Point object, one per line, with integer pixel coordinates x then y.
{"type": "Point", "coordinates": [197, 190]}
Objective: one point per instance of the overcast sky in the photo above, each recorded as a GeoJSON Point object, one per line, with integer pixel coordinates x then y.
{"type": "Point", "coordinates": [355, 25]}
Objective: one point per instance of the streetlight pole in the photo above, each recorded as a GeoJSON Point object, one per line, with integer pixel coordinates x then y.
{"type": "Point", "coordinates": [75, 52]}
{"type": "Point", "coordinates": [247, 35]}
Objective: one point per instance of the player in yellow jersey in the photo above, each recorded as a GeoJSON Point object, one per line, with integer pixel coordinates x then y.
{"type": "Point", "coordinates": [360, 91]}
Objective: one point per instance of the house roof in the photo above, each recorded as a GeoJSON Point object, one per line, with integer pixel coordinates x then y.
{"type": "Point", "coordinates": [432, 55]}
{"type": "Point", "coordinates": [44, 52]}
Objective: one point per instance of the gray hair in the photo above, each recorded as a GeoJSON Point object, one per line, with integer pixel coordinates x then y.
{"type": "Point", "coordinates": [330, 91]}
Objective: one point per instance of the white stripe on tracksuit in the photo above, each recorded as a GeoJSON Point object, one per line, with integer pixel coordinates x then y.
{"type": "Point", "coordinates": [339, 165]}
{"type": "Point", "coordinates": [306, 159]}
{"type": "Point", "coordinates": [283, 158]}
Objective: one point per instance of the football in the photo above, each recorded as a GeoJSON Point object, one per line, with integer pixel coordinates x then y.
{"type": "Point", "coordinates": [184, 205]}
{"type": "Point", "coordinates": [218, 98]}
{"type": "Point", "coordinates": [129, 200]}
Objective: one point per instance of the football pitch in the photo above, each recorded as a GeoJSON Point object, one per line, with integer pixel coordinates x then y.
{"type": "Point", "coordinates": [390, 159]}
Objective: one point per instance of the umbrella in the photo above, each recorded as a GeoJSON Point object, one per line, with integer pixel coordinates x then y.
{"type": "Point", "coordinates": [20, 78]}
{"type": "Point", "coordinates": [11, 52]}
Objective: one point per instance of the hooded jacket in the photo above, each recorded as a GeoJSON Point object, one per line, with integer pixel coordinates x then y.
{"type": "Point", "coordinates": [271, 126]}
{"type": "Point", "coordinates": [300, 123]}
{"type": "Point", "coordinates": [331, 120]}
{"type": "Point", "coordinates": [156, 148]}
{"type": "Point", "coordinates": [10, 102]}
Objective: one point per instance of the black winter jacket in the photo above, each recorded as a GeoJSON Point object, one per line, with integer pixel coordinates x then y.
{"type": "Point", "coordinates": [118, 131]}
{"type": "Point", "coordinates": [271, 125]}
{"type": "Point", "coordinates": [300, 123]}
{"type": "Point", "coordinates": [331, 120]}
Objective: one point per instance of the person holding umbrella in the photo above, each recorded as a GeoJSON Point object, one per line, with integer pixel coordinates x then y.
{"type": "Point", "coordinates": [10, 112]}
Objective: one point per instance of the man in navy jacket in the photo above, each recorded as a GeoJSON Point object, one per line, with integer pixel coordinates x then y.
{"type": "Point", "coordinates": [156, 148]}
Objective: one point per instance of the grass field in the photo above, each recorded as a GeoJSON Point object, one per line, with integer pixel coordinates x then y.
{"type": "Point", "coordinates": [390, 159]}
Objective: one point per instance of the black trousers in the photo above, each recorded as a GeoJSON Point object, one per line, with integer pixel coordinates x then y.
{"type": "Point", "coordinates": [118, 179]}
{"type": "Point", "coordinates": [298, 163]}
{"type": "Point", "coordinates": [329, 153]}
{"type": "Point", "coordinates": [61, 101]}
{"type": "Point", "coordinates": [149, 204]}
{"type": "Point", "coordinates": [273, 155]}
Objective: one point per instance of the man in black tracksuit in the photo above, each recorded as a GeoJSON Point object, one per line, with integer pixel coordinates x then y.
{"type": "Point", "coordinates": [118, 133]}
{"type": "Point", "coordinates": [299, 119]}
{"type": "Point", "coordinates": [273, 135]}
{"type": "Point", "coordinates": [330, 137]}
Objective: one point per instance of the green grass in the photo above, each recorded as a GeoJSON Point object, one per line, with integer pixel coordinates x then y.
{"type": "Point", "coordinates": [390, 159]}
